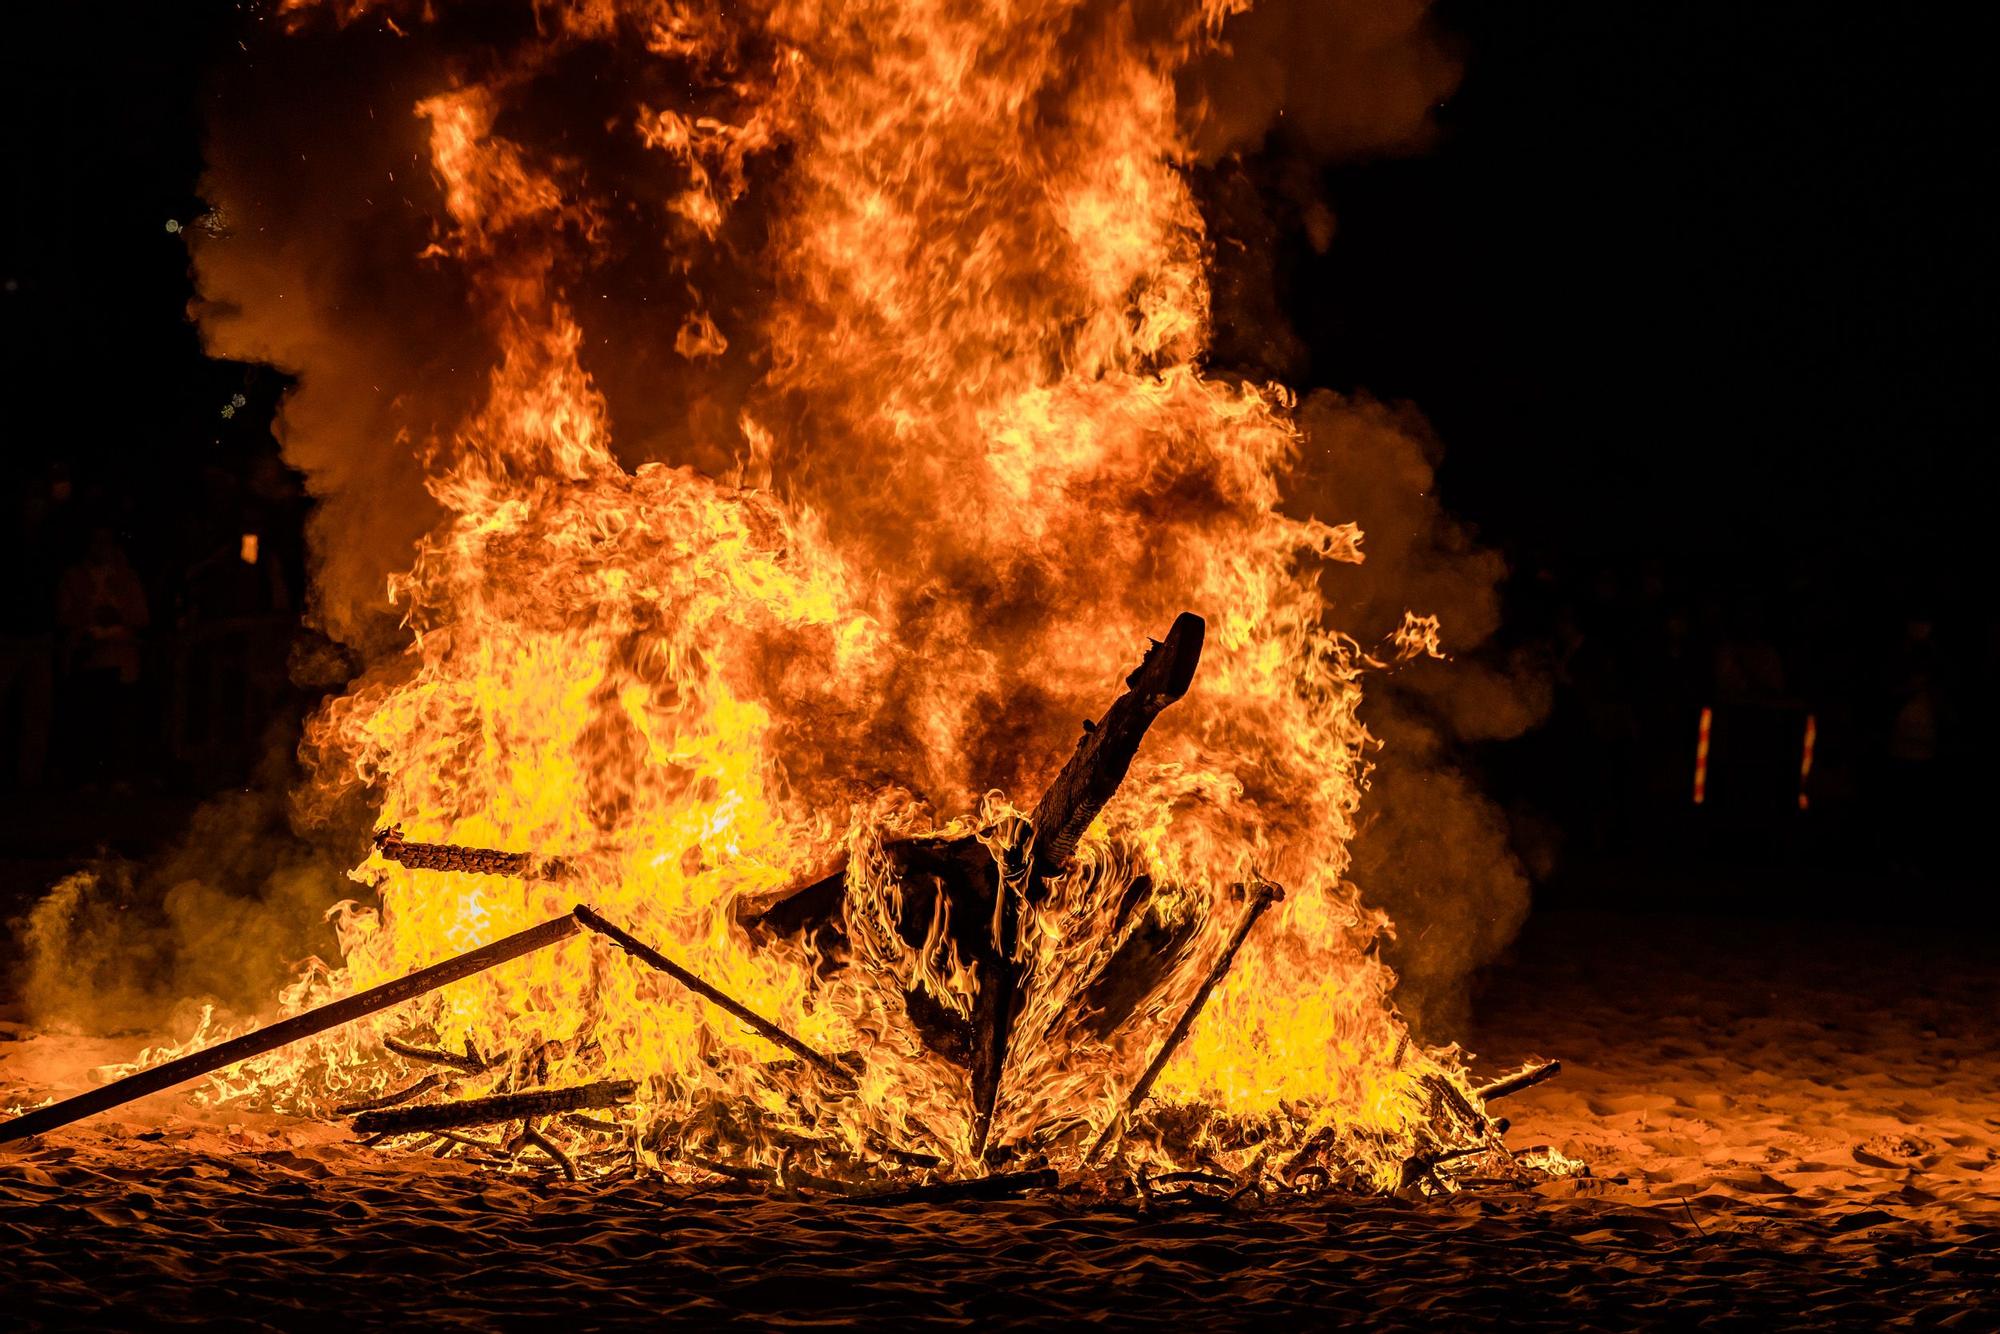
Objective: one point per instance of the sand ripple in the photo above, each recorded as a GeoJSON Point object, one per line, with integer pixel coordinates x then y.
{"type": "Point", "coordinates": [1812, 1145]}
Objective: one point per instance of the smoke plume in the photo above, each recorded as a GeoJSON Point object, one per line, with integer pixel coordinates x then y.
{"type": "Point", "coordinates": [1432, 850]}
{"type": "Point", "coordinates": [1297, 85]}
{"type": "Point", "coordinates": [1337, 79]}
{"type": "Point", "coordinates": [225, 918]}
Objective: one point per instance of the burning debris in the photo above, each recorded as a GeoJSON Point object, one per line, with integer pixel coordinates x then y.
{"type": "Point", "coordinates": [992, 885]}
{"type": "Point", "coordinates": [903, 315]}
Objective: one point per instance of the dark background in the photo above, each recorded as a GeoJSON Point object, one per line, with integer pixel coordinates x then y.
{"type": "Point", "coordinates": [1697, 299]}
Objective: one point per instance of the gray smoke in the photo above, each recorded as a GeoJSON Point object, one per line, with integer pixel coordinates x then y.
{"type": "Point", "coordinates": [1298, 85]}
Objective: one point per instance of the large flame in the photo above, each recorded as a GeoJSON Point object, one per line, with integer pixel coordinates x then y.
{"type": "Point", "coordinates": [980, 464]}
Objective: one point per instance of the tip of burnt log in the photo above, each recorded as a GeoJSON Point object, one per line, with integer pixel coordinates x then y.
{"type": "Point", "coordinates": [1169, 665]}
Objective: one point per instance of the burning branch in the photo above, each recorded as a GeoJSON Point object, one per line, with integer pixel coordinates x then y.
{"type": "Point", "coordinates": [319, 1020]}
{"type": "Point", "coordinates": [1262, 896]}
{"type": "Point", "coordinates": [471, 1063]}
{"type": "Point", "coordinates": [640, 950]}
{"type": "Point", "coordinates": [490, 1111]}
{"type": "Point", "coordinates": [1514, 1083]}
{"type": "Point", "coordinates": [395, 1098]}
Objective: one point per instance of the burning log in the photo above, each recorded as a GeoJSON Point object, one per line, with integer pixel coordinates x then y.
{"type": "Point", "coordinates": [489, 1111]}
{"type": "Point", "coordinates": [332, 1015]}
{"type": "Point", "coordinates": [1262, 896]}
{"type": "Point", "coordinates": [472, 861]}
{"type": "Point", "coordinates": [640, 950]}
{"type": "Point", "coordinates": [1091, 775]}
{"type": "Point", "coordinates": [985, 906]}
{"type": "Point", "coordinates": [1087, 780]}
{"type": "Point", "coordinates": [1514, 1083]}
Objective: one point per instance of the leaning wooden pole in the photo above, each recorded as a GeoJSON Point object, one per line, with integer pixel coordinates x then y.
{"type": "Point", "coordinates": [1262, 896]}
{"type": "Point", "coordinates": [332, 1015]}
{"type": "Point", "coordinates": [646, 954]}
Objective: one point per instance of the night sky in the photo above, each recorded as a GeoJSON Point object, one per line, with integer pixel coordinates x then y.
{"type": "Point", "coordinates": [1687, 281]}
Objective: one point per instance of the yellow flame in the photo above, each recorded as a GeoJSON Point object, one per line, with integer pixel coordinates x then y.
{"type": "Point", "coordinates": [983, 463]}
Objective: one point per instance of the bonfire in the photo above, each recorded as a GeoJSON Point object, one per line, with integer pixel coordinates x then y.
{"type": "Point", "coordinates": [771, 810]}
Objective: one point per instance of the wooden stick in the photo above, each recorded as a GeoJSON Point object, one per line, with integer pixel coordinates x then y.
{"type": "Point", "coordinates": [548, 1146]}
{"type": "Point", "coordinates": [393, 1099]}
{"type": "Point", "coordinates": [1262, 896]}
{"type": "Point", "coordinates": [996, 1187]}
{"type": "Point", "coordinates": [640, 950]}
{"type": "Point", "coordinates": [332, 1015]}
{"type": "Point", "coordinates": [1514, 1083]}
{"type": "Point", "coordinates": [471, 1063]}
{"type": "Point", "coordinates": [501, 1107]}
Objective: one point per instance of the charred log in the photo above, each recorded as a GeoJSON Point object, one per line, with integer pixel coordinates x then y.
{"type": "Point", "coordinates": [471, 861]}
{"type": "Point", "coordinates": [981, 913]}
{"type": "Point", "coordinates": [491, 1111]}
{"type": "Point", "coordinates": [1103, 756]}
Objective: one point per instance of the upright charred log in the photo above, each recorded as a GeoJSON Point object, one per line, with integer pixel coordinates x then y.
{"type": "Point", "coordinates": [982, 913]}
{"type": "Point", "coordinates": [1104, 754]}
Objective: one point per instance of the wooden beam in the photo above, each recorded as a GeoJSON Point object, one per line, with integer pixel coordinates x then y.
{"type": "Point", "coordinates": [331, 1015]}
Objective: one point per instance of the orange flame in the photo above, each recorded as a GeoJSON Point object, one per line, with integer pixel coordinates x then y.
{"type": "Point", "coordinates": [1806, 760]}
{"type": "Point", "coordinates": [1701, 755]}
{"type": "Point", "coordinates": [982, 462]}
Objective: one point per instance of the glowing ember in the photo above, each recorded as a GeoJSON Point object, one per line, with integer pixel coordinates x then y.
{"type": "Point", "coordinates": [1702, 730]}
{"type": "Point", "coordinates": [1806, 760]}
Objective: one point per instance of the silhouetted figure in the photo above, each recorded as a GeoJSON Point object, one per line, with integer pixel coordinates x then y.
{"type": "Point", "coordinates": [1669, 677]}
{"type": "Point", "coordinates": [234, 625]}
{"type": "Point", "coordinates": [101, 611]}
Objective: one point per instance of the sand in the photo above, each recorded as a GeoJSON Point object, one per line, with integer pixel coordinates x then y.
{"type": "Point", "coordinates": [1789, 1127]}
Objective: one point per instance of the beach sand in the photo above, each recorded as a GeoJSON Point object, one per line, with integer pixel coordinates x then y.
{"type": "Point", "coordinates": [1788, 1126]}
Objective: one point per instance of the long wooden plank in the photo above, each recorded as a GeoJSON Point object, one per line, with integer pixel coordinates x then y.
{"type": "Point", "coordinates": [331, 1015]}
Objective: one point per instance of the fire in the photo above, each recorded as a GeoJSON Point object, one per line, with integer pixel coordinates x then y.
{"type": "Point", "coordinates": [982, 463]}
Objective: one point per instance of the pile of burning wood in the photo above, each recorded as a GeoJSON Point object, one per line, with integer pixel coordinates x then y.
{"type": "Point", "coordinates": [502, 1112]}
